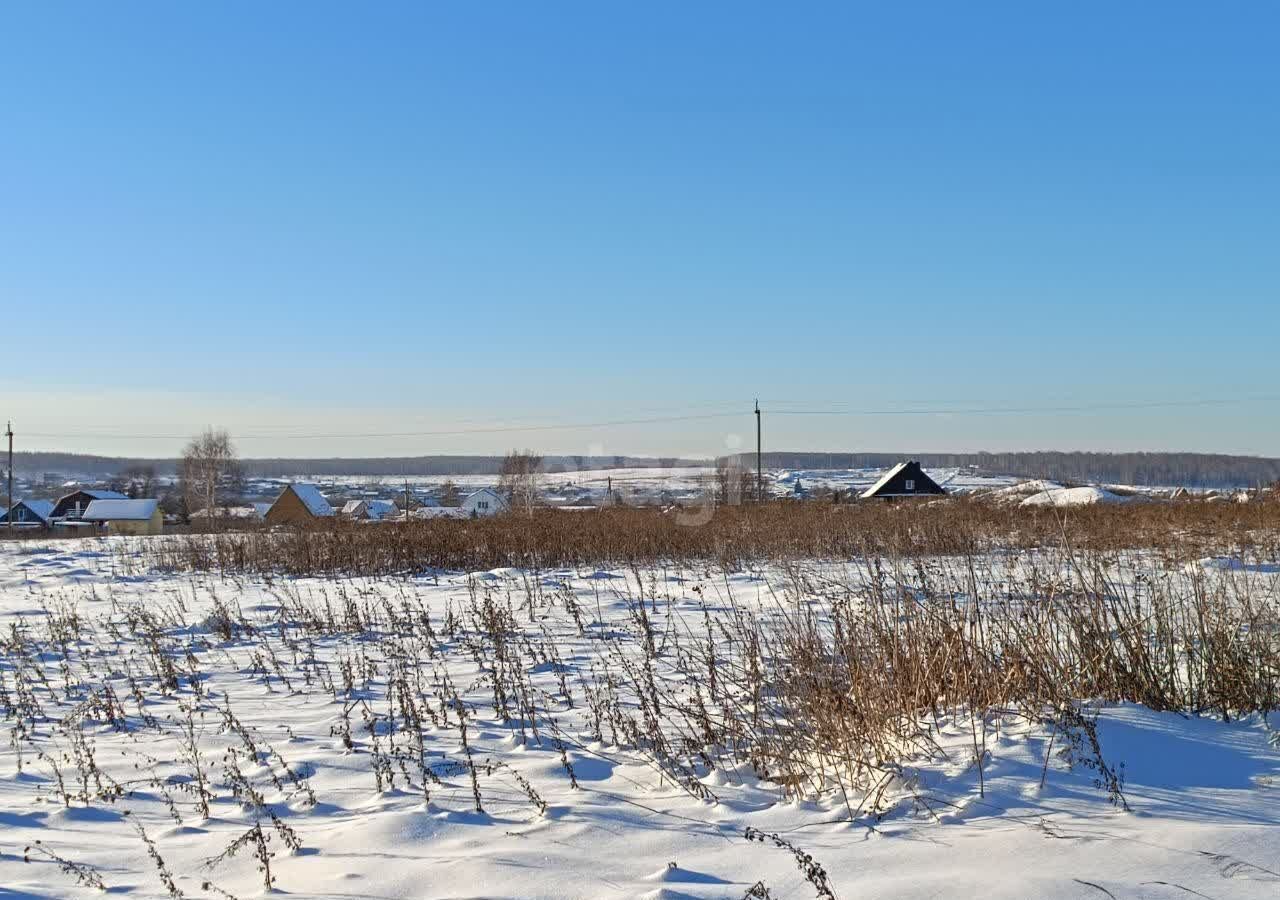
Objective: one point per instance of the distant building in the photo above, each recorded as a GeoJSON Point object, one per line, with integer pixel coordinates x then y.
{"type": "Point", "coordinates": [906, 479]}
{"type": "Point", "coordinates": [29, 514]}
{"type": "Point", "coordinates": [371, 510]}
{"type": "Point", "coordinates": [298, 504]}
{"type": "Point", "coordinates": [383, 509]}
{"type": "Point", "coordinates": [126, 516]}
{"type": "Point", "coordinates": [484, 502]}
{"type": "Point", "coordinates": [72, 506]}
{"type": "Point", "coordinates": [355, 509]}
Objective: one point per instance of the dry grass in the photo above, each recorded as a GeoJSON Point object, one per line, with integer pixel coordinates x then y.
{"type": "Point", "coordinates": [734, 537]}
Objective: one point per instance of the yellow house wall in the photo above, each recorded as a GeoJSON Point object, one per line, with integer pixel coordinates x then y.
{"type": "Point", "coordinates": [154, 525]}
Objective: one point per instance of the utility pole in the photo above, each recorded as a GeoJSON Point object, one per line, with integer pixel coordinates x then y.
{"type": "Point", "coordinates": [406, 499]}
{"type": "Point", "coordinates": [8, 516]}
{"type": "Point", "coordinates": [759, 470]}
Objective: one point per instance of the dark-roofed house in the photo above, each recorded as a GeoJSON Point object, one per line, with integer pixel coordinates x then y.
{"type": "Point", "coordinates": [73, 505]}
{"type": "Point", "coordinates": [906, 479]}
{"type": "Point", "coordinates": [28, 514]}
{"type": "Point", "coordinates": [299, 504]}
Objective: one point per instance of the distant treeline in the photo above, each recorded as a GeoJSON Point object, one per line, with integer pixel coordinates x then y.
{"type": "Point", "coordinates": [1207, 470]}
{"type": "Point", "coordinates": [78, 464]}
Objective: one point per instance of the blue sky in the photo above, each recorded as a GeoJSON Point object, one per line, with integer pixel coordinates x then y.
{"type": "Point", "coordinates": [303, 219]}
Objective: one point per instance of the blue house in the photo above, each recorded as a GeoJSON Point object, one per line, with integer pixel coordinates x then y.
{"type": "Point", "coordinates": [28, 514]}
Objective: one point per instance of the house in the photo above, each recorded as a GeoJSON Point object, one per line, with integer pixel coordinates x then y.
{"type": "Point", "coordinates": [126, 516]}
{"type": "Point", "coordinates": [298, 504]}
{"type": "Point", "coordinates": [484, 502]}
{"type": "Point", "coordinates": [355, 509]}
{"type": "Point", "coordinates": [906, 479]}
{"type": "Point", "coordinates": [72, 505]}
{"type": "Point", "coordinates": [371, 510]}
{"type": "Point", "coordinates": [29, 514]}
{"type": "Point", "coordinates": [382, 510]}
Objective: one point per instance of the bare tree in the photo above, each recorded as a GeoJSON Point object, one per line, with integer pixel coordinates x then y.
{"type": "Point", "coordinates": [449, 495]}
{"type": "Point", "coordinates": [209, 462]}
{"type": "Point", "coordinates": [520, 478]}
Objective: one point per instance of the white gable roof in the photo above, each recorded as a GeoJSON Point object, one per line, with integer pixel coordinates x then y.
{"type": "Point", "coordinates": [382, 509]}
{"type": "Point", "coordinates": [120, 510]}
{"type": "Point", "coordinates": [871, 491]}
{"type": "Point", "coordinates": [312, 499]}
{"type": "Point", "coordinates": [483, 493]}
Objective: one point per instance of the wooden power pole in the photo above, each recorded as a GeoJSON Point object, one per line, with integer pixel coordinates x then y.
{"type": "Point", "coordinates": [759, 470]}
{"type": "Point", "coordinates": [8, 432]}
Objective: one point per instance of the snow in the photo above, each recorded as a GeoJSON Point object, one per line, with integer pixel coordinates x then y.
{"type": "Point", "coordinates": [884, 479]}
{"type": "Point", "coordinates": [312, 499]}
{"type": "Point", "coordinates": [1205, 818]}
{"type": "Point", "coordinates": [439, 512]}
{"type": "Point", "coordinates": [1027, 488]}
{"type": "Point", "coordinates": [1076, 496]}
{"type": "Point", "coordinates": [120, 510]}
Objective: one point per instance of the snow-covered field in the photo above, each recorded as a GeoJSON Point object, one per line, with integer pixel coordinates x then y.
{"type": "Point", "coordinates": [293, 731]}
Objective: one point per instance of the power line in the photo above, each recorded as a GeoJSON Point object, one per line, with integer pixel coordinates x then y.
{"type": "Point", "coordinates": [1026, 410]}
{"type": "Point", "coordinates": [397, 434]}
{"type": "Point", "coordinates": [693, 417]}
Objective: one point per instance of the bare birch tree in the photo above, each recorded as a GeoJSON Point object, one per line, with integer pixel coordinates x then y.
{"type": "Point", "coordinates": [520, 479]}
{"type": "Point", "coordinates": [209, 461]}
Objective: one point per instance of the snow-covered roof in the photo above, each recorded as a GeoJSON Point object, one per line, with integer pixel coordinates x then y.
{"type": "Point", "coordinates": [885, 479]}
{"type": "Point", "coordinates": [103, 495]}
{"type": "Point", "coordinates": [440, 512]}
{"type": "Point", "coordinates": [312, 499]}
{"type": "Point", "coordinates": [260, 509]}
{"type": "Point", "coordinates": [382, 509]}
{"type": "Point", "coordinates": [120, 510]}
{"type": "Point", "coordinates": [482, 493]}
{"type": "Point", "coordinates": [351, 507]}
{"type": "Point", "coordinates": [41, 509]}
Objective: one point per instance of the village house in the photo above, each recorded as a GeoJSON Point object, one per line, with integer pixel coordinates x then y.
{"type": "Point", "coordinates": [298, 504]}
{"type": "Point", "coordinates": [134, 517]}
{"type": "Point", "coordinates": [484, 502]}
{"type": "Point", "coordinates": [371, 510]}
{"type": "Point", "coordinates": [28, 514]}
{"type": "Point", "coordinates": [72, 506]}
{"type": "Point", "coordinates": [906, 479]}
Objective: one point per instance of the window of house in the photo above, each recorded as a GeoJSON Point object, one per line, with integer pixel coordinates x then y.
{"type": "Point", "coordinates": [911, 484]}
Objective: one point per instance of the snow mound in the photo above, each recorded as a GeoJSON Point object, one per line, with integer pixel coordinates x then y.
{"type": "Point", "coordinates": [1076, 496]}
{"type": "Point", "coordinates": [1027, 488]}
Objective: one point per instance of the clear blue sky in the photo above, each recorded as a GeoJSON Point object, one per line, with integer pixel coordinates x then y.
{"type": "Point", "coordinates": [306, 218]}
